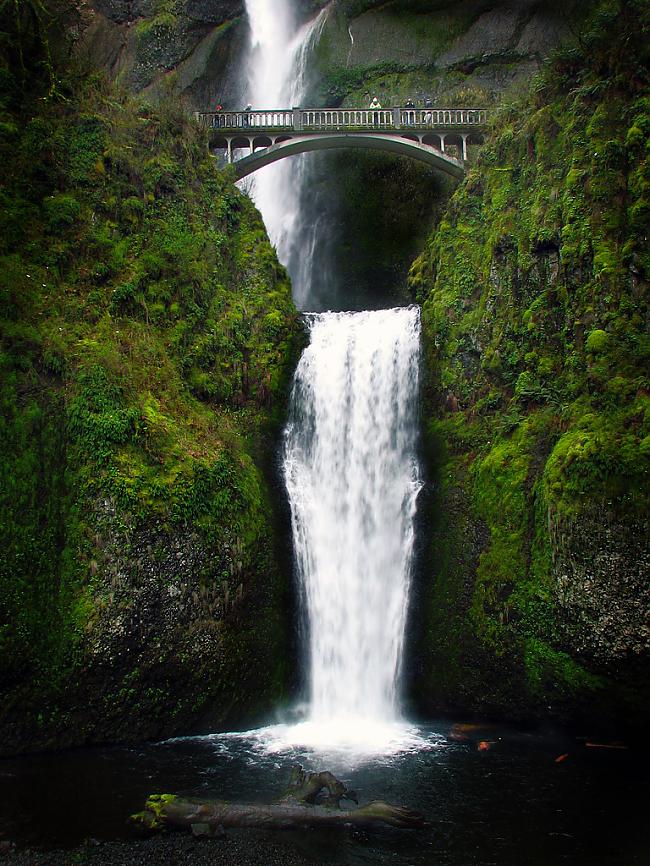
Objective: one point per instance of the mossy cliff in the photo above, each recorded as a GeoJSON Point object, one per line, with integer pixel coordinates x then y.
{"type": "Point", "coordinates": [147, 338]}
{"type": "Point", "coordinates": [535, 310]}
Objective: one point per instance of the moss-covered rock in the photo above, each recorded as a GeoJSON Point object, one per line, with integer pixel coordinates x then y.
{"type": "Point", "coordinates": [535, 314]}
{"type": "Point", "coordinates": [147, 339]}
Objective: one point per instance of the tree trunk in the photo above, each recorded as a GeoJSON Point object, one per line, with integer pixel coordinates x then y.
{"type": "Point", "coordinates": [298, 808]}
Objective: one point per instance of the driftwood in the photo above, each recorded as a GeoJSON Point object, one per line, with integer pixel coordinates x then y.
{"type": "Point", "coordinates": [303, 805]}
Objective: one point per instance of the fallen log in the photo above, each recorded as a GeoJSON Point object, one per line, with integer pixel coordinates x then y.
{"type": "Point", "coordinates": [301, 806]}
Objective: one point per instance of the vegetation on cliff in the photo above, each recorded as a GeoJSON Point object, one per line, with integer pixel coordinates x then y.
{"type": "Point", "coordinates": [147, 337]}
{"type": "Point", "coordinates": [535, 293]}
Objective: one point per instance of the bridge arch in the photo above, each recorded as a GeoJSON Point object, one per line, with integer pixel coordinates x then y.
{"type": "Point", "coordinates": [291, 146]}
{"type": "Point", "coordinates": [455, 141]}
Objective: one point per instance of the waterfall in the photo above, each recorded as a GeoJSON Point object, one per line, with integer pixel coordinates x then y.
{"type": "Point", "coordinates": [352, 477]}
{"type": "Point", "coordinates": [349, 456]}
{"type": "Point", "coordinates": [277, 66]}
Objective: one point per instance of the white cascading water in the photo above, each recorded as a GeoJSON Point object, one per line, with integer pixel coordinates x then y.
{"type": "Point", "coordinates": [277, 79]}
{"type": "Point", "coordinates": [352, 476]}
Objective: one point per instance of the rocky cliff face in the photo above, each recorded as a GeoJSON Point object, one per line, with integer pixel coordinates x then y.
{"type": "Point", "coordinates": [535, 291]}
{"type": "Point", "coordinates": [443, 50]}
{"type": "Point", "coordinates": [194, 47]}
{"type": "Point", "coordinates": [397, 49]}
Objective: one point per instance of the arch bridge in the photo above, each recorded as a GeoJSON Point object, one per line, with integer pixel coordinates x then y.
{"type": "Point", "coordinates": [438, 137]}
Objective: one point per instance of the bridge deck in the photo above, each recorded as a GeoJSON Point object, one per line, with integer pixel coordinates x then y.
{"type": "Point", "coordinates": [318, 120]}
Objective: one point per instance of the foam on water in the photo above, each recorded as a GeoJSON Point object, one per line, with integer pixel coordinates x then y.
{"type": "Point", "coordinates": [341, 743]}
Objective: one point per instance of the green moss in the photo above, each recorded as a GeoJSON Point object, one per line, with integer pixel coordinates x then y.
{"type": "Point", "coordinates": [147, 337]}
{"type": "Point", "coordinates": [500, 501]}
{"type": "Point", "coordinates": [61, 211]}
{"type": "Point", "coordinates": [599, 460]}
{"type": "Point", "coordinates": [537, 370]}
{"type": "Point", "coordinates": [550, 672]}
{"type": "Point", "coordinates": [597, 342]}
{"type": "Point", "coordinates": [152, 818]}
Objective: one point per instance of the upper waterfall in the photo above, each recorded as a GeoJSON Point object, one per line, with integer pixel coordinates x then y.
{"type": "Point", "coordinates": [277, 76]}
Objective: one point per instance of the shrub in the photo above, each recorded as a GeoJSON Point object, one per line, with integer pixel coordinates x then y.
{"type": "Point", "coordinates": [61, 211]}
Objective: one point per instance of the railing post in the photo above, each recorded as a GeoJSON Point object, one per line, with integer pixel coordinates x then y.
{"type": "Point", "coordinates": [297, 120]}
{"type": "Point", "coordinates": [397, 118]}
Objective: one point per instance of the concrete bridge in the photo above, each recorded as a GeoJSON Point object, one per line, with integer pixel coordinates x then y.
{"type": "Point", "coordinates": [438, 137]}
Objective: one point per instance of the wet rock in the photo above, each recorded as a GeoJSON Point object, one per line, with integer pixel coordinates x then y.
{"type": "Point", "coordinates": [133, 38]}
{"type": "Point", "coordinates": [601, 568]}
{"type": "Point", "coordinates": [451, 403]}
{"type": "Point", "coordinates": [213, 11]}
{"type": "Point", "coordinates": [6, 847]}
{"type": "Point", "coordinates": [115, 10]}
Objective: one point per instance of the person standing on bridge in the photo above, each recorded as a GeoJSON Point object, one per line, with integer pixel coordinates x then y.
{"type": "Point", "coordinates": [375, 104]}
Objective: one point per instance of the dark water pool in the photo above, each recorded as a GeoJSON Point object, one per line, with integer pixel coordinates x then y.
{"type": "Point", "coordinates": [491, 797]}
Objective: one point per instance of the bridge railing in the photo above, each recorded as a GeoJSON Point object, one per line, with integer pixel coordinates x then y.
{"type": "Point", "coordinates": [279, 119]}
{"type": "Point", "coordinates": [346, 118]}
{"type": "Point", "coordinates": [333, 119]}
{"type": "Point", "coordinates": [439, 117]}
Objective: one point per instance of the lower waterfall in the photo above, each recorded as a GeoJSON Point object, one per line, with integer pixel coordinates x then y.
{"type": "Point", "coordinates": [352, 477]}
